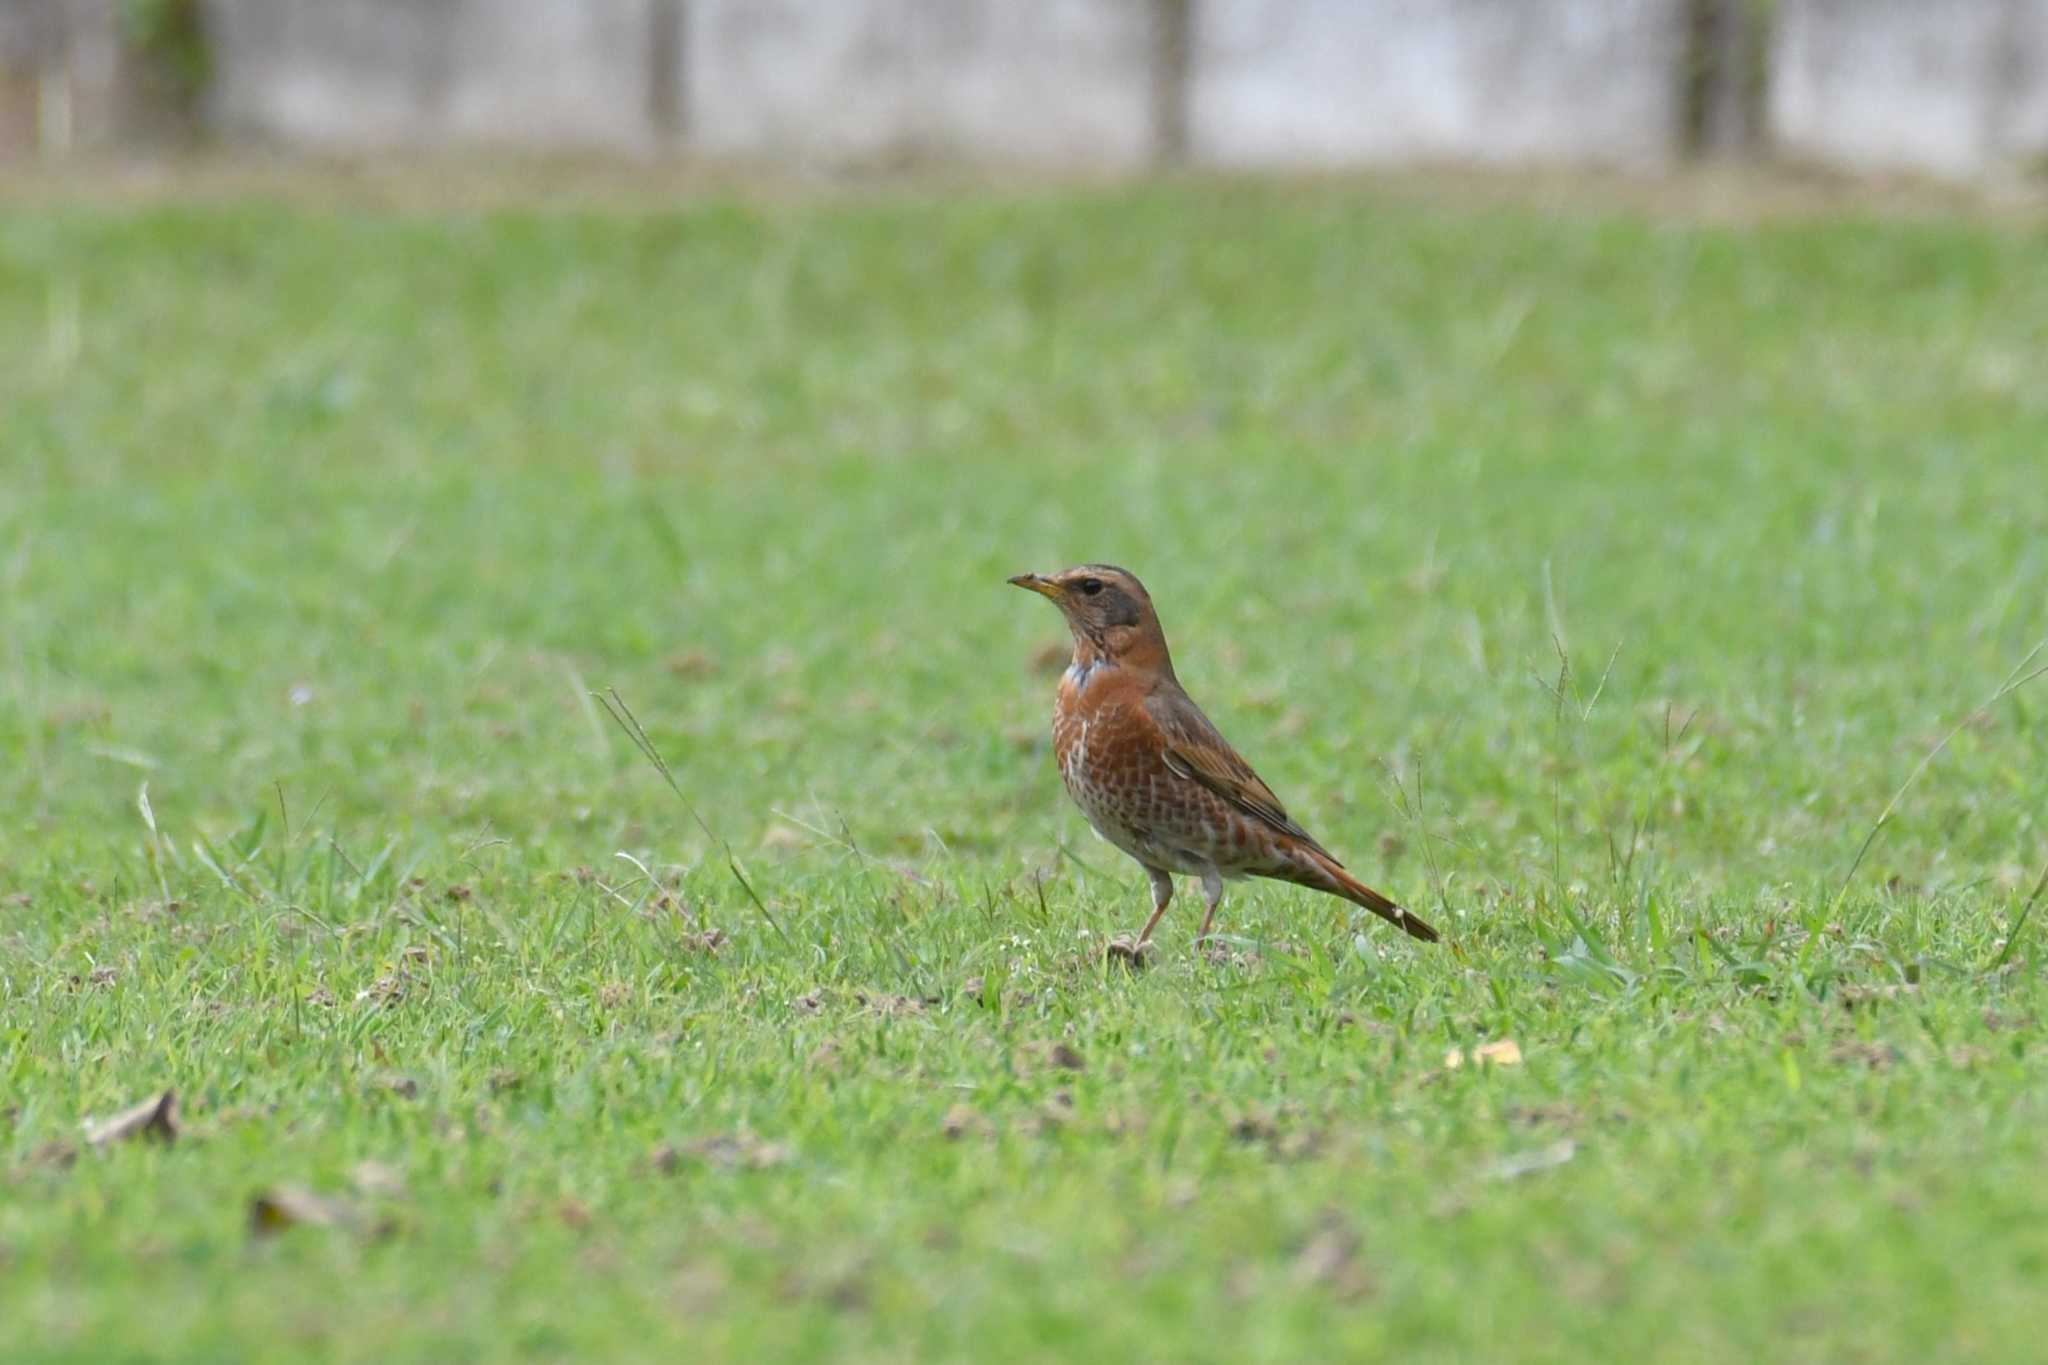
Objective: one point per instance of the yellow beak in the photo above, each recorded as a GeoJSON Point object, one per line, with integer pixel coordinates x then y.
{"type": "Point", "coordinates": [1037, 583]}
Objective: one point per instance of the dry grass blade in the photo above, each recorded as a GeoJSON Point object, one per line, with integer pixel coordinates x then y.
{"type": "Point", "coordinates": [155, 1118]}
{"type": "Point", "coordinates": [615, 706]}
{"type": "Point", "coordinates": [156, 843]}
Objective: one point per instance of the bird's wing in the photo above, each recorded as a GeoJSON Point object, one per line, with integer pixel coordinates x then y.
{"type": "Point", "coordinates": [1195, 749]}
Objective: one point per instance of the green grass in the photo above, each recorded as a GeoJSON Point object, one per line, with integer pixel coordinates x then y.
{"type": "Point", "coordinates": [326, 524]}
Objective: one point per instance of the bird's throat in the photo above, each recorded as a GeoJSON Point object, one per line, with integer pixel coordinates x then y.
{"type": "Point", "coordinates": [1132, 648]}
{"type": "Point", "coordinates": [1082, 669]}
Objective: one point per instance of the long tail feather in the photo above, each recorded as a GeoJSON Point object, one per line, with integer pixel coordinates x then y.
{"type": "Point", "coordinates": [1338, 882]}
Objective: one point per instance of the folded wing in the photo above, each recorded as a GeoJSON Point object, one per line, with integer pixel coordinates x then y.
{"type": "Point", "coordinates": [1195, 749]}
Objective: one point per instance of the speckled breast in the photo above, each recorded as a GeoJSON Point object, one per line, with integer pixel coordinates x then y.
{"type": "Point", "coordinates": [1109, 758]}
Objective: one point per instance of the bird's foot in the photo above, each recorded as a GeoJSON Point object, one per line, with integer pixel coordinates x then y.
{"type": "Point", "coordinates": [1126, 951]}
{"type": "Point", "coordinates": [1218, 951]}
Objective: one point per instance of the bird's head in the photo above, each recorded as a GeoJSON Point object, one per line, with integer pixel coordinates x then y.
{"type": "Point", "coordinates": [1109, 612]}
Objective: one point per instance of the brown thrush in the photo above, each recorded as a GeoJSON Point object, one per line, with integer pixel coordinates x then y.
{"type": "Point", "coordinates": [1151, 773]}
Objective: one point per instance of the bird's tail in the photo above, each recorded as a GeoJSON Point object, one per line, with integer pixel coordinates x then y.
{"type": "Point", "coordinates": [1342, 883]}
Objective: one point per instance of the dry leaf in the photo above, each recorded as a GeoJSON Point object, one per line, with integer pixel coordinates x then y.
{"type": "Point", "coordinates": [1853, 997]}
{"type": "Point", "coordinates": [155, 1119]}
{"type": "Point", "coordinates": [1256, 1124]}
{"type": "Point", "coordinates": [1050, 1056]}
{"type": "Point", "coordinates": [1218, 954]}
{"type": "Point", "coordinates": [1876, 1056]}
{"type": "Point", "coordinates": [397, 1083]}
{"type": "Point", "coordinates": [1124, 1122]}
{"type": "Point", "coordinates": [1499, 1052]}
{"type": "Point", "coordinates": [288, 1206]}
{"type": "Point", "coordinates": [389, 989]}
{"type": "Point", "coordinates": [1053, 1115]}
{"type": "Point", "coordinates": [692, 663]}
{"type": "Point", "coordinates": [731, 1151]}
{"type": "Point", "coordinates": [783, 839]}
{"type": "Point", "coordinates": [1557, 1112]}
{"type": "Point", "coordinates": [961, 1120]}
{"type": "Point", "coordinates": [1528, 1163]}
{"type": "Point", "coordinates": [700, 1288]}
{"type": "Point", "coordinates": [1330, 1258]}
{"type": "Point", "coordinates": [375, 1180]}
{"type": "Point", "coordinates": [56, 1154]}
{"type": "Point", "coordinates": [890, 1006]}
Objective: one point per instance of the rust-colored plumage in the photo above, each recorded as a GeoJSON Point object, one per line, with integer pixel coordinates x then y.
{"type": "Point", "coordinates": [1153, 775]}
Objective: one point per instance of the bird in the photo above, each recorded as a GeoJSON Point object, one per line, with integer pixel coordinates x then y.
{"type": "Point", "coordinates": [1155, 777]}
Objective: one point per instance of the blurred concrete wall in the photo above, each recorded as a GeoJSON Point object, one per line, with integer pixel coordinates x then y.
{"type": "Point", "coordinates": [1050, 81]}
{"type": "Point", "coordinates": [1954, 87]}
{"type": "Point", "coordinates": [60, 74]}
{"type": "Point", "coordinates": [356, 74]}
{"type": "Point", "coordinates": [1053, 81]}
{"type": "Point", "coordinates": [1328, 82]}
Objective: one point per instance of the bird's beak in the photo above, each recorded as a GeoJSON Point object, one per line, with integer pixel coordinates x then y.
{"type": "Point", "coordinates": [1037, 583]}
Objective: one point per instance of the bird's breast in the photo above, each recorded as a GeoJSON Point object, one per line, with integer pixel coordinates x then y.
{"type": "Point", "coordinates": [1084, 708]}
{"type": "Point", "coordinates": [1104, 752]}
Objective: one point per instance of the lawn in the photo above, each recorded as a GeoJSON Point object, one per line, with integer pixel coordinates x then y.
{"type": "Point", "coordinates": [1590, 580]}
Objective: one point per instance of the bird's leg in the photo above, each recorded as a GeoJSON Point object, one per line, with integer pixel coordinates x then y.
{"type": "Point", "coordinates": [1212, 892]}
{"type": "Point", "coordinates": [1162, 892]}
{"type": "Point", "coordinates": [1122, 949]}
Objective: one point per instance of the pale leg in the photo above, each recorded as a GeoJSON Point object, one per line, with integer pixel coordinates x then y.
{"type": "Point", "coordinates": [1212, 892]}
{"type": "Point", "coordinates": [1162, 892]}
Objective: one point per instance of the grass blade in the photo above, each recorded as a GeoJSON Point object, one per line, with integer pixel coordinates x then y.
{"type": "Point", "coordinates": [2014, 681]}
{"type": "Point", "coordinates": [2013, 938]}
{"type": "Point", "coordinates": [615, 706]}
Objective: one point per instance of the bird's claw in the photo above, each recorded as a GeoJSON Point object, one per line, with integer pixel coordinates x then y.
{"type": "Point", "coordinates": [1126, 951]}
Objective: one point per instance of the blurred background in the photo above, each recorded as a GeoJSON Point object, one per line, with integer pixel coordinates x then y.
{"type": "Point", "coordinates": [1943, 87]}
{"type": "Point", "coordinates": [419, 482]}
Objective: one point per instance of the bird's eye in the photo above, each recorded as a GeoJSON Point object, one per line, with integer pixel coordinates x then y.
{"type": "Point", "coordinates": [1091, 586]}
